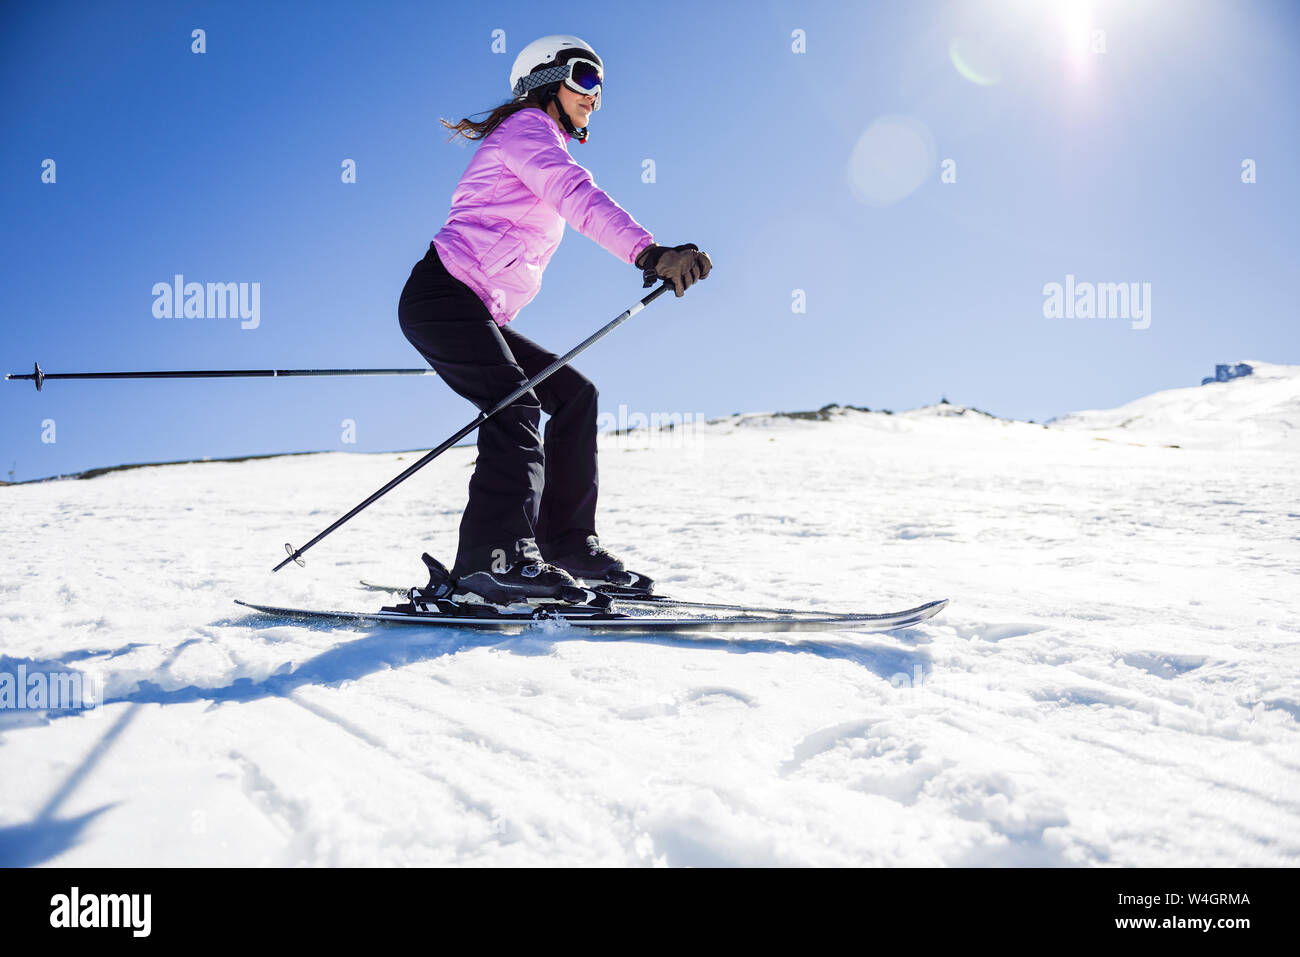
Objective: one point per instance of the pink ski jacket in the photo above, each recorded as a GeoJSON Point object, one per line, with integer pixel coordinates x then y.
{"type": "Point", "coordinates": [509, 208]}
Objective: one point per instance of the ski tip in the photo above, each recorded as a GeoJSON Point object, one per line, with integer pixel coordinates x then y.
{"type": "Point", "coordinates": [932, 608]}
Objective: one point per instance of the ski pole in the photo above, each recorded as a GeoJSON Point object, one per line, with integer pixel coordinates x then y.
{"type": "Point", "coordinates": [295, 554]}
{"type": "Point", "coordinates": [39, 376]}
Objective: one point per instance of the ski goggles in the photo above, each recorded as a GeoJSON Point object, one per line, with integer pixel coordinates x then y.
{"type": "Point", "coordinates": [579, 74]}
{"type": "Point", "coordinates": [584, 77]}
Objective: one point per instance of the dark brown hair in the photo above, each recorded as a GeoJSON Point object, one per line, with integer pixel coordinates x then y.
{"type": "Point", "coordinates": [479, 129]}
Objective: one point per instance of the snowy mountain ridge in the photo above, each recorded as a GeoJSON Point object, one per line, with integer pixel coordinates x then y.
{"type": "Point", "coordinates": [1261, 410]}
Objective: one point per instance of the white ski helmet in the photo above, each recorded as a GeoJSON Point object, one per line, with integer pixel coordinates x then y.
{"type": "Point", "coordinates": [535, 66]}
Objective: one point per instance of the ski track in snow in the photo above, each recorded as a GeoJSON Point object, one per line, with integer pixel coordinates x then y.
{"type": "Point", "coordinates": [1114, 682]}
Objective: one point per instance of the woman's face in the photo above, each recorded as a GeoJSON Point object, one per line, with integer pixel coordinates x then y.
{"type": "Point", "coordinates": [577, 105]}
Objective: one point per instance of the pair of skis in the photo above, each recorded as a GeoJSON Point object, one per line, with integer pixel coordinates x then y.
{"type": "Point", "coordinates": [661, 614]}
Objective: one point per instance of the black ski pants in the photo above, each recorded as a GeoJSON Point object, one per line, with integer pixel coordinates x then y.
{"type": "Point", "coordinates": [523, 491]}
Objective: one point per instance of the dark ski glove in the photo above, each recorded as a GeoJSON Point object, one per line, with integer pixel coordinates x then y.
{"type": "Point", "coordinates": [683, 266]}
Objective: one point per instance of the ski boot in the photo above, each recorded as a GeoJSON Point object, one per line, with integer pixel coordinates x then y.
{"type": "Point", "coordinates": [595, 564]}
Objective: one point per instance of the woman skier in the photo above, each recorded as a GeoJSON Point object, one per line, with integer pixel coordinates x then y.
{"type": "Point", "coordinates": [529, 528]}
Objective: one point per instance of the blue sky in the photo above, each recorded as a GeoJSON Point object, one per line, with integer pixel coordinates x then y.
{"type": "Point", "coordinates": [1112, 156]}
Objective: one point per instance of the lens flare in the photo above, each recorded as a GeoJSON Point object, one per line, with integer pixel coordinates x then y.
{"type": "Point", "coordinates": [892, 158]}
{"type": "Point", "coordinates": [974, 61]}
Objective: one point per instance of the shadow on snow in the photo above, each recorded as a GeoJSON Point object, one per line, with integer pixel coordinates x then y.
{"type": "Point", "coordinates": [377, 648]}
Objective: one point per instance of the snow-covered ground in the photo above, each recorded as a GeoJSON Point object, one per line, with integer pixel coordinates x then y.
{"type": "Point", "coordinates": [1114, 683]}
